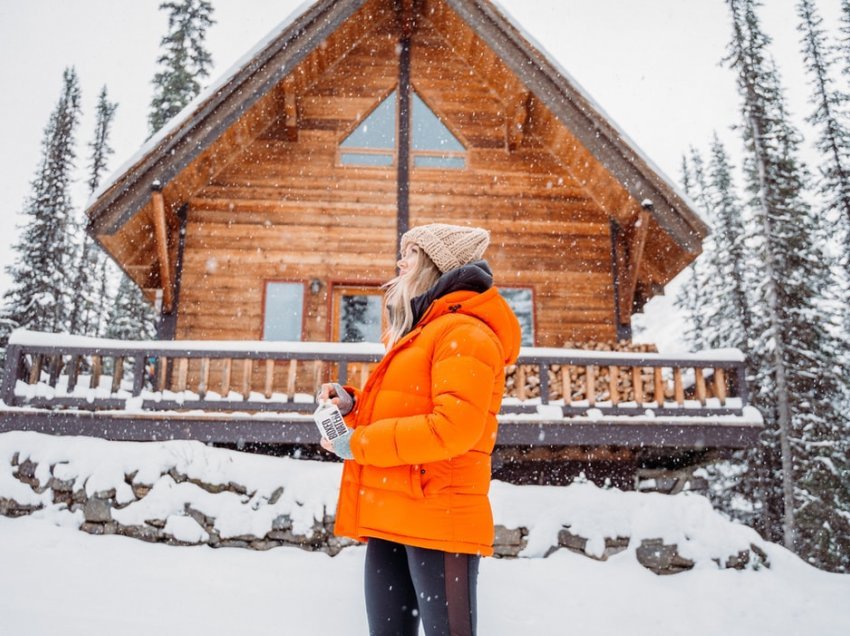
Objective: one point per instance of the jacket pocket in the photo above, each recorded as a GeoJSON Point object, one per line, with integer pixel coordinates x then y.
{"type": "Point", "coordinates": [401, 479]}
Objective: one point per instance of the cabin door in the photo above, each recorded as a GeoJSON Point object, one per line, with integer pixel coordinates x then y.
{"type": "Point", "coordinates": [357, 317]}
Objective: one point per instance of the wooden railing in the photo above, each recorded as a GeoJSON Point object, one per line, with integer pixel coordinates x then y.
{"type": "Point", "coordinates": [93, 375]}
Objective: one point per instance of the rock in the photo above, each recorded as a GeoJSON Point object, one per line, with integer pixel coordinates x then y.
{"type": "Point", "coordinates": [509, 542]}
{"type": "Point", "coordinates": [282, 522]}
{"type": "Point", "coordinates": [97, 510]}
{"type": "Point", "coordinates": [99, 528]}
{"type": "Point", "coordinates": [275, 495]}
{"type": "Point", "coordinates": [26, 474]}
{"type": "Point", "coordinates": [655, 555]}
{"type": "Point", "coordinates": [59, 485]}
{"type": "Point", "coordinates": [140, 490]}
{"type": "Point", "coordinates": [263, 545]}
{"type": "Point", "coordinates": [11, 508]}
{"type": "Point", "coordinates": [571, 541]}
{"type": "Point", "coordinates": [145, 533]}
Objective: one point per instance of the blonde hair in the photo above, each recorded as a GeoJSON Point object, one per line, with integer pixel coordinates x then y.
{"type": "Point", "coordinates": [401, 290]}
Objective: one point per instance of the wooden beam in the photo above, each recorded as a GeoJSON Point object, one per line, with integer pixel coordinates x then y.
{"type": "Point", "coordinates": [635, 239]}
{"type": "Point", "coordinates": [161, 237]}
{"type": "Point", "coordinates": [516, 119]}
{"type": "Point", "coordinates": [290, 108]}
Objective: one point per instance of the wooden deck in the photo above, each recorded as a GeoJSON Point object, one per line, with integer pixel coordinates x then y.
{"type": "Point", "coordinates": [230, 391]}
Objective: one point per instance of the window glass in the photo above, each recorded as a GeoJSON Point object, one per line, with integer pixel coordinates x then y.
{"type": "Point", "coordinates": [365, 159]}
{"type": "Point", "coordinates": [522, 302]}
{"type": "Point", "coordinates": [377, 131]}
{"type": "Point", "coordinates": [373, 142]}
{"type": "Point", "coordinates": [360, 318]}
{"type": "Point", "coordinates": [429, 133]}
{"type": "Point", "coordinates": [431, 161]}
{"type": "Point", "coordinates": [284, 311]}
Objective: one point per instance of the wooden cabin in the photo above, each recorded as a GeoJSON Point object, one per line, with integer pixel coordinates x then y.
{"type": "Point", "coordinates": [291, 182]}
{"type": "Point", "coordinates": [271, 209]}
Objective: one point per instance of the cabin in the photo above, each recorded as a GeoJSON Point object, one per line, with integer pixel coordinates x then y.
{"type": "Point", "coordinates": [263, 219]}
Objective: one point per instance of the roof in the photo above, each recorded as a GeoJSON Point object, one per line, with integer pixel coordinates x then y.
{"type": "Point", "coordinates": [219, 106]}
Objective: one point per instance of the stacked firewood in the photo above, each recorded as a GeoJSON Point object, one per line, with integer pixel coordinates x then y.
{"type": "Point", "coordinates": [523, 381]}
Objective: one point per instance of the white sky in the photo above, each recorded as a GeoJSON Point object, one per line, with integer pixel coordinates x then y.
{"type": "Point", "coordinates": [653, 66]}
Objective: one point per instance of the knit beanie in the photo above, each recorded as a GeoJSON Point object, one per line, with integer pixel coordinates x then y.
{"type": "Point", "coordinates": [449, 246]}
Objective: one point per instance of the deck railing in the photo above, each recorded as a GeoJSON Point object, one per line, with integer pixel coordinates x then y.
{"type": "Point", "coordinates": [62, 372]}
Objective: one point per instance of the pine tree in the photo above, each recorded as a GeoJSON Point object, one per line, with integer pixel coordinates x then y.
{"type": "Point", "coordinates": [690, 297]}
{"type": "Point", "coordinates": [728, 282]}
{"type": "Point", "coordinates": [796, 387]}
{"type": "Point", "coordinates": [91, 273]}
{"type": "Point", "coordinates": [184, 61]}
{"type": "Point", "coordinates": [125, 321]}
{"type": "Point", "coordinates": [36, 298]}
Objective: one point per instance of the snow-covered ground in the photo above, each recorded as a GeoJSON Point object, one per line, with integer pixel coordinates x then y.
{"type": "Point", "coordinates": [55, 579]}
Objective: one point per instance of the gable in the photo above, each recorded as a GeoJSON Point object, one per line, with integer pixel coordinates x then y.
{"type": "Point", "coordinates": [512, 103]}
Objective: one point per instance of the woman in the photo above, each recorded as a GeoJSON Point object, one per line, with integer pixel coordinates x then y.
{"type": "Point", "coordinates": [416, 482]}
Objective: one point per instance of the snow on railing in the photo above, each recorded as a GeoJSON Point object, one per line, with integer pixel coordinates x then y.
{"type": "Point", "coordinates": [59, 371]}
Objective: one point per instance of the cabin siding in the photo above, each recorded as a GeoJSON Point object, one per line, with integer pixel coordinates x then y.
{"type": "Point", "coordinates": [286, 210]}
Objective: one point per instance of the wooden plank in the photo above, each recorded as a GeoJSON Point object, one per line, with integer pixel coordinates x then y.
{"type": "Point", "coordinates": [637, 385]}
{"type": "Point", "coordinates": [699, 381]}
{"type": "Point", "coordinates": [203, 384]}
{"type": "Point", "coordinates": [590, 384]}
{"type": "Point", "coordinates": [659, 386]}
{"type": "Point", "coordinates": [613, 384]}
{"type": "Point", "coordinates": [290, 379]}
{"type": "Point", "coordinates": [678, 387]}
{"type": "Point", "coordinates": [720, 385]}
{"type": "Point", "coordinates": [73, 372]}
{"type": "Point", "coordinates": [318, 371]}
{"type": "Point", "coordinates": [267, 389]}
{"type": "Point", "coordinates": [96, 370]}
{"type": "Point", "coordinates": [566, 384]}
{"type": "Point", "coordinates": [182, 374]}
{"type": "Point", "coordinates": [162, 374]}
{"type": "Point", "coordinates": [246, 378]}
{"type": "Point", "coordinates": [519, 382]}
{"type": "Point", "coordinates": [225, 377]}
{"type": "Point", "coordinates": [117, 374]}
{"type": "Point", "coordinates": [161, 236]}
{"type": "Point", "coordinates": [35, 369]}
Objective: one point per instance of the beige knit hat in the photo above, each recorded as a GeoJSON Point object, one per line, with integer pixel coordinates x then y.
{"type": "Point", "coordinates": [449, 246]}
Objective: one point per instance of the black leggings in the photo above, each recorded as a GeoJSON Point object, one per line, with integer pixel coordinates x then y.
{"type": "Point", "coordinates": [405, 584]}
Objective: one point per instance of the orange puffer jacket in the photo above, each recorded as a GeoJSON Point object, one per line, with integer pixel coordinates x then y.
{"type": "Point", "coordinates": [425, 426]}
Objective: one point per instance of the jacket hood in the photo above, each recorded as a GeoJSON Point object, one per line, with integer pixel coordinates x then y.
{"type": "Point", "coordinates": [487, 306]}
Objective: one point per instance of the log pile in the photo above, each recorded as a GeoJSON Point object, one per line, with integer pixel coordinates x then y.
{"type": "Point", "coordinates": [523, 381]}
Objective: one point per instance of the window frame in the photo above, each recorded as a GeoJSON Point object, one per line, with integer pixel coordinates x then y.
{"type": "Point", "coordinates": [532, 290]}
{"type": "Point", "coordinates": [393, 153]}
{"type": "Point", "coordinates": [304, 291]}
{"type": "Point", "coordinates": [337, 290]}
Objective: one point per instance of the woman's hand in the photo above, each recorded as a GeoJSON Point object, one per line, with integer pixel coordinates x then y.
{"type": "Point", "coordinates": [339, 446]}
{"type": "Point", "coordinates": [335, 392]}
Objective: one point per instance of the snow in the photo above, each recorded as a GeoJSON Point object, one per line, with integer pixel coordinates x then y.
{"type": "Point", "coordinates": [58, 580]}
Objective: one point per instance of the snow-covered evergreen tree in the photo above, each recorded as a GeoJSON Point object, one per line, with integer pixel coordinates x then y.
{"type": "Point", "coordinates": [37, 297]}
{"type": "Point", "coordinates": [797, 387]}
{"type": "Point", "coordinates": [184, 60]}
{"type": "Point", "coordinates": [130, 318]}
{"type": "Point", "coordinates": [690, 299]}
{"type": "Point", "coordinates": [91, 274]}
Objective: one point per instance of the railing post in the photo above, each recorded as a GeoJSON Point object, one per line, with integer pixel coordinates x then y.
{"type": "Point", "coordinates": [138, 375]}
{"type": "Point", "coordinates": [743, 391]}
{"type": "Point", "coordinates": [544, 383]}
{"type": "Point", "coordinates": [10, 374]}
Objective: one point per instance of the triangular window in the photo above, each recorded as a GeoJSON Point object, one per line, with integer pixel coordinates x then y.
{"type": "Point", "coordinates": [373, 142]}
{"type": "Point", "coordinates": [434, 146]}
